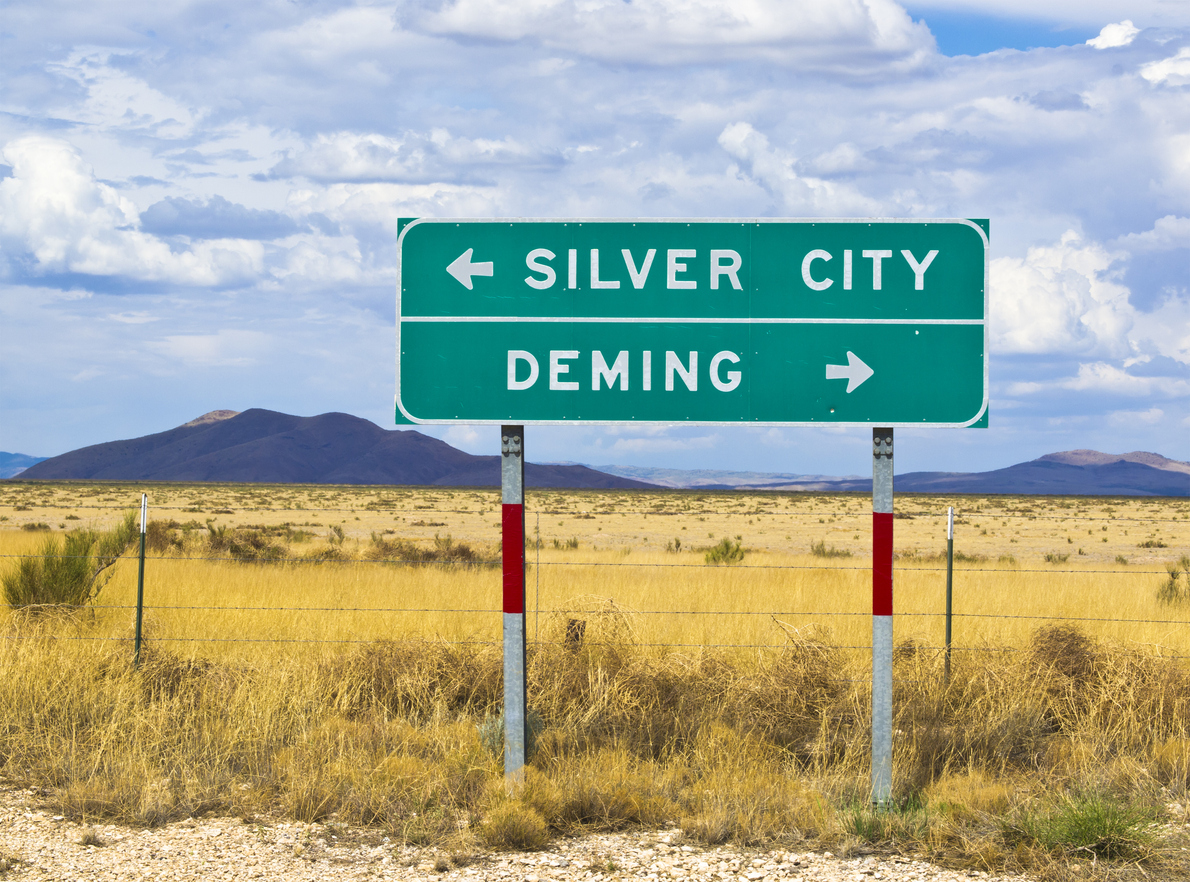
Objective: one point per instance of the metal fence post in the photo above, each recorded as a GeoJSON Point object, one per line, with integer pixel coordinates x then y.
{"type": "Point", "coordinates": [949, 583]}
{"type": "Point", "coordinates": [512, 498]}
{"type": "Point", "coordinates": [537, 599]}
{"type": "Point", "coordinates": [140, 580]}
{"type": "Point", "coordinates": [882, 611]}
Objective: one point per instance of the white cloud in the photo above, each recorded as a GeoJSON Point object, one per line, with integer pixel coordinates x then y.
{"type": "Point", "coordinates": [1129, 419]}
{"type": "Point", "coordinates": [1113, 35]}
{"type": "Point", "coordinates": [465, 438]}
{"type": "Point", "coordinates": [116, 99]}
{"type": "Point", "coordinates": [657, 445]}
{"type": "Point", "coordinates": [54, 209]}
{"type": "Point", "coordinates": [1168, 232]}
{"type": "Point", "coordinates": [135, 317]}
{"type": "Point", "coordinates": [1067, 299]}
{"type": "Point", "coordinates": [773, 169]}
{"type": "Point", "coordinates": [319, 260]}
{"type": "Point", "coordinates": [842, 36]}
{"type": "Point", "coordinates": [1173, 71]}
{"type": "Point", "coordinates": [87, 373]}
{"type": "Point", "coordinates": [1102, 377]}
{"type": "Point", "coordinates": [382, 204]}
{"type": "Point", "coordinates": [225, 348]}
{"type": "Point", "coordinates": [1060, 299]}
{"type": "Point", "coordinates": [414, 157]}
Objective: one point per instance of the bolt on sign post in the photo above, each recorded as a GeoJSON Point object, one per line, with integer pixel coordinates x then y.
{"type": "Point", "coordinates": [766, 322]}
{"type": "Point", "coordinates": [140, 580]}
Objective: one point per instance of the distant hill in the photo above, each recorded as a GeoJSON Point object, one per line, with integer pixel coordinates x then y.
{"type": "Point", "coordinates": [714, 479]}
{"type": "Point", "coordinates": [12, 464]}
{"type": "Point", "coordinates": [262, 446]}
{"type": "Point", "coordinates": [1048, 476]}
{"type": "Point", "coordinates": [1069, 473]}
{"type": "Point", "coordinates": [1094, 457]}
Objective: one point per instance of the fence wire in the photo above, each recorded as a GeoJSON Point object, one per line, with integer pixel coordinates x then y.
{"type": "Point", "coordinates": [837, 519]}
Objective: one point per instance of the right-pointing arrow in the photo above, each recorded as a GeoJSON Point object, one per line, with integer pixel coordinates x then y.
{"type": "Point", "coordinates": [854, 372]}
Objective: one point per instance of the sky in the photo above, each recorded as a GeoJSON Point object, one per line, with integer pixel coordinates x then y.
{"type": "Point", "coordinates": [199, 200]}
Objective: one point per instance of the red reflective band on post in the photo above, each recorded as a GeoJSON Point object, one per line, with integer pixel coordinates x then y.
{"type": "Point", "coordinates": [513, 538]}
{"type": "Point", "coordinates": [882, 559]}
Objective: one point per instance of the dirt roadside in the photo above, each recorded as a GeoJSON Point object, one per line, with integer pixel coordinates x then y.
{"type": "Point", "coordinates": [39, 845]}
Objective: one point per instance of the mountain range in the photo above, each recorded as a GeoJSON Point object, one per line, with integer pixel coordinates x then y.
{"type": "Point", "coordinates": [262, 446]}
{"type": "Point", "coordinates": [12, 464]}
{"type": "Point", "coordinates": [1069, 473]}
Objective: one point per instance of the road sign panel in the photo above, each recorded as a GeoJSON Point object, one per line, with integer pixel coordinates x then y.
{"type": "Point", "coordinates": [745, 321]}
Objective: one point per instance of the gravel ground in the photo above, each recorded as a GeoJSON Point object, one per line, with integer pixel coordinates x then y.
{"type": "Point", "coordinates": [37, 845]}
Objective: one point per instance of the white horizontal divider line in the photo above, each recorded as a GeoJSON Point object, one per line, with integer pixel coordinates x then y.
{"type": "Point", "coordinates": [685, 321]}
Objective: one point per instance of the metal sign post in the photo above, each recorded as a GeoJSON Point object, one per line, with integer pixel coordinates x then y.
{"type": "Point", "coordinates": [949, 583]}
{"type": "Point", "coordinates": [882, 613]}
{"type": "Point", "coordinates": [140, 579]}
{"type": "Point", "coordinates": [512, 536]}
{"type": "Point", "coordinates": [758, 321]}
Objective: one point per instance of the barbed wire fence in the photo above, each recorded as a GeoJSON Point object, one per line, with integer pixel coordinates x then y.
{"type": "Point", "coordinates": [920, 564]}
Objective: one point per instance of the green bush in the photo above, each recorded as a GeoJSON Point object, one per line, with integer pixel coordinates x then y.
{"type": "Point", "coordinates": [726, 552]}
{"type": "Point", "coordinates": [819, 549]}
{"type": "Point", "coordinates": [445, 551]}
{"type": "Point", "coordinates": [1176, 589]}
{"type": "Point", "coordinates": [71, 571]}
{"type": "Point", "coordinates": [1091, 823]}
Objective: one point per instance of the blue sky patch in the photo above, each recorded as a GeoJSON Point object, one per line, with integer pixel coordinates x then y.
{"type": "Point", "coordinates": [969, 33]}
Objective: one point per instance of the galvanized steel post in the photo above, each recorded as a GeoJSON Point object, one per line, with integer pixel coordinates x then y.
{"type": "Point", "coordinates": [882, 612]}
{"type": "Point", "coordinates": [512, 498]}
{"type": "Point", "coordinates": [140, 580]}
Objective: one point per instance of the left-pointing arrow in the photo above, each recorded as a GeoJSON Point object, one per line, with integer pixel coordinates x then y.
{"type": "Point", "coordinates": [463, 269]}
{"type": "Point", "coordinates": [854, 372]}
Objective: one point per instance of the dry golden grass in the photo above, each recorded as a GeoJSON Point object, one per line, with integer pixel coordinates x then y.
{"type": "Point", "coordinates": [621, 557]}
{"type": "Point", "coordinates": [352, 689]}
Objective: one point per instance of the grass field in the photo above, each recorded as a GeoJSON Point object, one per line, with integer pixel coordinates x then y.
{"type": "Point", "coordinates": [327, 681]}
{"type": "Point", "coordinates": [1001, 543]}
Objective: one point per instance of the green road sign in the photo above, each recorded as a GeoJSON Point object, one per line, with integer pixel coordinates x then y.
{"type": "Point", "coordinates": [771, 322]}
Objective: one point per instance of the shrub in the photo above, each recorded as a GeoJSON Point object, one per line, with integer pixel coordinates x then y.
{"type": "Point", "coordinates": [1091, 823]}
{"type": "Point", "coordinates": [71, 571]}
{"type": "Point", "coordinates": [163, 535]}
{"type": "Point", "coordinates": [1055, 558]}
{"type": "Point", "coordinates": [444, 550]}
{"type": "Point", "coordinates": [249, 546]}
{"type": "Point", "coordinates": [819, 549]}
{"type": "Point", "coordinates": [963, 557]}
{"type": "Point", "coordinates": [726, 552]}
{"type": "Point", "coordinates": [1176, 589]}
{"type": "Point", "coordinates": [491, 733]}
{"type": "Point", "coordinates": [514, 826]}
